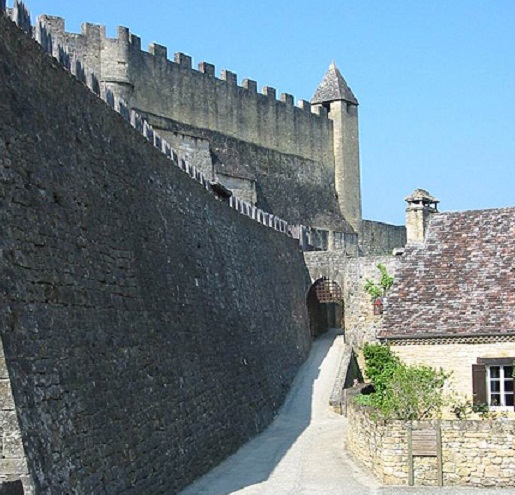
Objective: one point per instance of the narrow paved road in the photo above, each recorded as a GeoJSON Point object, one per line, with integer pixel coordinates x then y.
{"type": "Point", "coordinates": [303, 450]}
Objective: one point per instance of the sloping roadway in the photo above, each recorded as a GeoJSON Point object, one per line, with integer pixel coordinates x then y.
{"type": "Point", "coordinates": [303, 451]}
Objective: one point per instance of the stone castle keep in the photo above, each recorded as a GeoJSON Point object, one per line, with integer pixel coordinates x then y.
{"type": "Point", "coordinates": [300, 163]}
{"type": "Point", "coordinates": [154, 295]}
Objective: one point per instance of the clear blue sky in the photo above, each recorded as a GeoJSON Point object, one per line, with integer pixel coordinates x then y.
{"type": "Point", "coordinates": [435, 78]}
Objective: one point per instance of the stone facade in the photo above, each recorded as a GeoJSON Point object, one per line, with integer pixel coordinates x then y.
{"type": "Point", "coordinates": [264, 132]}
{"type": "Point", "coordinates": [12, 488]}
{"type": "Point", "coordinates": [474, 452]}
{"type": "Point", "coordinates": [13, 464]}
{"type": "Point", "coordinates": [149, 330]}
{"type": "Point", "coordinates": [456, 358]}
{"type": "Point", "coordinates": [298, 162]}
{"type": "Point", "coordinates": [421, 206]}
{"type": "Point", "coordinates": [334, 95]}
{"type": "Point", "coordinates": [360, 323]}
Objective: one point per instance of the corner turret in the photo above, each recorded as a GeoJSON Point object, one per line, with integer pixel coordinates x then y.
{"type": "Point", "coordinates": [335, 95]}
{"type": "Point", "coordinates": [116, 66]}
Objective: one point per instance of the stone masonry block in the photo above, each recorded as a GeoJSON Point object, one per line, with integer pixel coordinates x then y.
{"type": "Point", "coordinates": [228, 76]}
{"type": "Point", "coordinates": [305, 105]}
{"type": "Point", "coordinates": [250, 85]}
{"type": "Point", "coordinates": [158, 50]}
{"type": "Point", "coordinates": [136, 42]}
{"type": "Point", "coordinates": [206, 68]}
{"type": "Point", "coordinates": [270, 92]}
{"type": "Point", "coordinates": [183, 60]}
{"type": "Point", "coordinates": [287, 98]}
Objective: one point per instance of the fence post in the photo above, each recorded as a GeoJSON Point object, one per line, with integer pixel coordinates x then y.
{"type": "Point", "coordinates": [439, 460]}
{"type": "Point", "coordinates": [411, 475]}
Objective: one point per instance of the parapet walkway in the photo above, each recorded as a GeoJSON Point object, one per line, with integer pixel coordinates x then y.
{"type": "Point", "coordinates": [303, 450]}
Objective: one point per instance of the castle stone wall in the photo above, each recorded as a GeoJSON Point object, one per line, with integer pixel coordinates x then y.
{"type": "Point", "coordinates": [361, 325]}
{"type": "Point", "coordinates": [204, 101]}
{"type": "Point", "coordinates": [292, 187]}
{"type": "Point", "coordinates": [193, 150]}
{"type": "Point", "coordinates": [174, 89]}
{"type": "Point", "coordinates": [149, 330]}
{"type": "Point", "coordinates": [378, 239]}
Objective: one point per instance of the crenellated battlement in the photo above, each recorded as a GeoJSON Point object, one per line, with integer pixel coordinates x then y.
{"type": "Point", "coordinates": [125, 41]}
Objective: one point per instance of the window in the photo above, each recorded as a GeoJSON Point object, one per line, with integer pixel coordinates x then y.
{"type": "Point", "coordinates": [492, 382]}
{"type": "Point", "coordinates": [500, 386]}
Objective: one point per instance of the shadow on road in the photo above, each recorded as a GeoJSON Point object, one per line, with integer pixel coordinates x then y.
{"type": "Point", "coordinates": [255, 461]}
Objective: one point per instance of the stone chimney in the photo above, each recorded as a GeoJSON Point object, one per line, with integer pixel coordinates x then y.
{"type": "Point", "coordinates": [421, 205]}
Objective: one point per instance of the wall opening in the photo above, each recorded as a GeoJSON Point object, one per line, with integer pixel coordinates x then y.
{"type": "Point", "coordinates": [325, 306]}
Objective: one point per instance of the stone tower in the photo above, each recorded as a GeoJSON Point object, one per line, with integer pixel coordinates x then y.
{"type": "Point", "coordinates": [116, 65]}
{"type": "Point", "coordinates": [334, 94]}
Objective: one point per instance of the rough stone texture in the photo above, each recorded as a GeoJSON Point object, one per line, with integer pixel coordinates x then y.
{"type": "Point", "coordinates": [379, 239]}
{"type": "Point", "coordinates": [456, 358]}
{"type": "Point", "coordinates": [347, 177]}
{"type": "Point", "coordinates": [361, 324]}
{"type": "Point", "coordinates": [149, 330]}
{"type": "Point", "coordinates": [421, 206]}
{"type": "Point", "coordinates": [12, 488]}
{"type": "Point", "coordinates": [241, 187]}
{"type": "Point", "coordinates": [12, 463]}
{"type": "Point", "coordinates": [194, 151]}
{"type": "Point", "coordinates": [305, 181]}
{"type": "Point", "coordinates": [348, 371]}
{"type": "Point", "coordinates": [474, 453]}
{"type": "Point", "coordinates": [459, 281]}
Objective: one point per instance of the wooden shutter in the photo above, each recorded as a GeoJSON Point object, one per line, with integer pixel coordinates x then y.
{"type": "Point", "coordinates": [479, 384]}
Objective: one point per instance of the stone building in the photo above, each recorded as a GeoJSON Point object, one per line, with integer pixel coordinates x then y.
{"type": "Point", "coordinates": [452, 304]}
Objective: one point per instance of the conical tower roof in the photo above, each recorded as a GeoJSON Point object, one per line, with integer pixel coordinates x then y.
{"type": "Point", "coordinates": [333, 87]}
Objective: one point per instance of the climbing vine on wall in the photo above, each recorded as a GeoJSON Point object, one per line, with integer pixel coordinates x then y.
{"type": "Point", "coordinates": [381, 288]}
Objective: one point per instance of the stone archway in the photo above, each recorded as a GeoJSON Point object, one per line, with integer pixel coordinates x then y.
{"type": "Point", "coordinates": [325, 306]}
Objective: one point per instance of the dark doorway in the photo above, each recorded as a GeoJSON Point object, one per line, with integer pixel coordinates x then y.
{"type": "Point", "coordinates": [325, 306]}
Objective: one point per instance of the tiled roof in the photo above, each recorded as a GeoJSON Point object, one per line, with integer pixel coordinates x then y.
{"type": "Point", "coordinates": [333, 87]}
{"type": "Point", "coordinates": [460, 281]}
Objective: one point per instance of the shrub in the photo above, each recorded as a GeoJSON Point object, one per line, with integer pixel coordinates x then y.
{"type": "Point", "coordinates": [402, 391]}
{"type": "Point", "coordinates": [379, 290]}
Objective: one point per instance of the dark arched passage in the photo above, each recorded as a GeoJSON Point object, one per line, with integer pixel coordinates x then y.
{"type": "Point", "coordinates": [325, 306]}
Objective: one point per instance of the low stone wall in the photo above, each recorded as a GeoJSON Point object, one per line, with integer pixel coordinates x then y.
{"type": "Point", "coordinates": [474, 452]}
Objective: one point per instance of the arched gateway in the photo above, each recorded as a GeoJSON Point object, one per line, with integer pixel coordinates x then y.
{"type": "Point", "coordinates": [325, 306]}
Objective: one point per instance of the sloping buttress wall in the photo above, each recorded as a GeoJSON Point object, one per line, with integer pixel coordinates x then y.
{"type": "Point", "coordinates": [148, 329]}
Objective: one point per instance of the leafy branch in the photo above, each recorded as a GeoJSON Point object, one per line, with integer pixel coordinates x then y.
{"type": "Point", "coordinates": [379, 289]}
